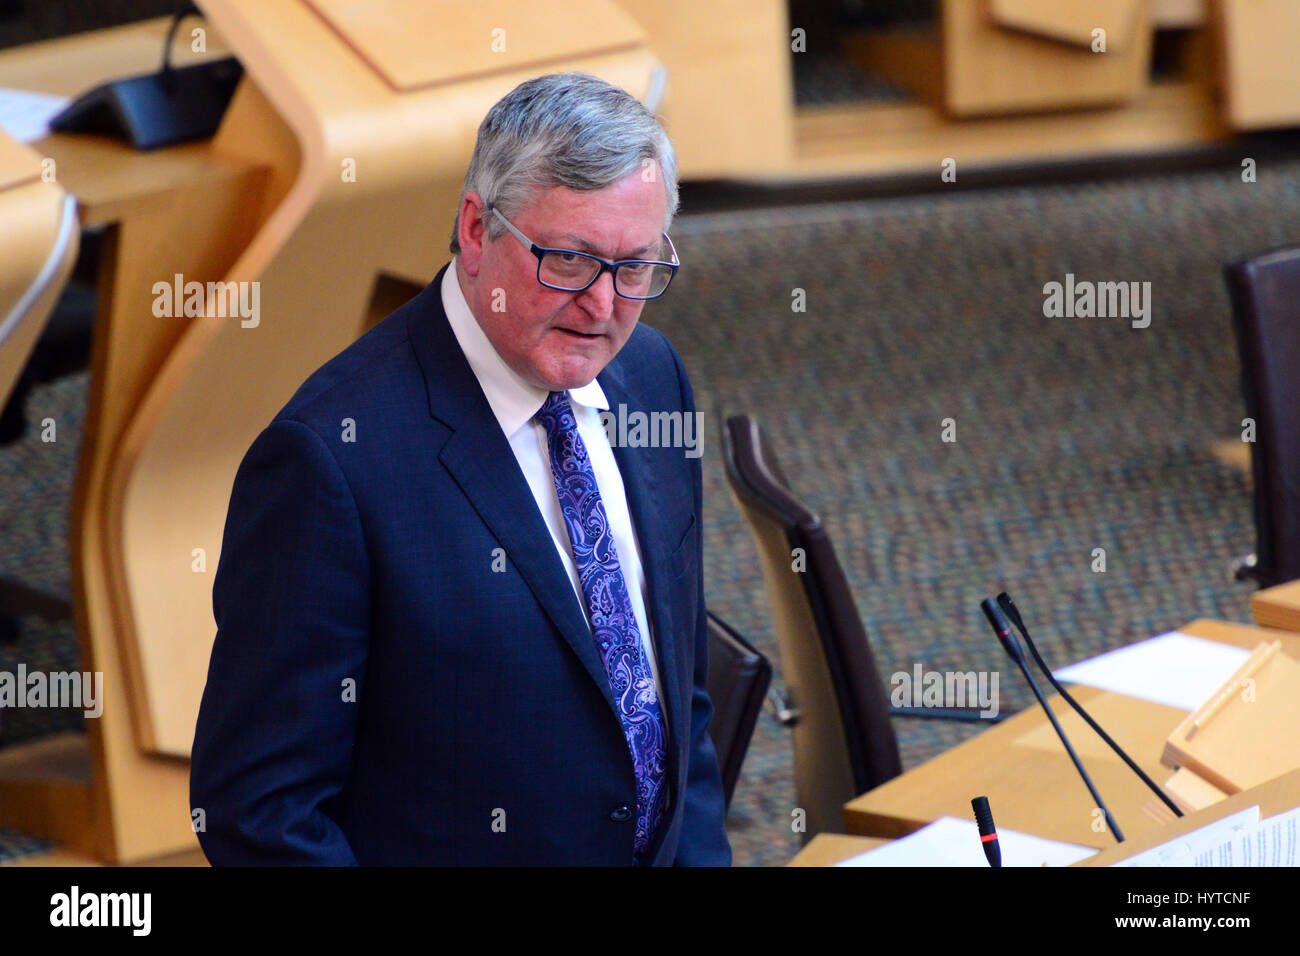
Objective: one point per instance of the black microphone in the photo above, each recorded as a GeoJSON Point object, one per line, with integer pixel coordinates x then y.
{"type": "Point", "coordinates": [1009, 608]}
{"type": "Point", "coordinates": [1007, 638]}
{"type": "Point", "coordinates": [988, 833]}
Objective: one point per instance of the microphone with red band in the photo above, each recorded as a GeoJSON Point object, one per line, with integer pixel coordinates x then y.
{"type": "Point", "coordinates": [988, 833]}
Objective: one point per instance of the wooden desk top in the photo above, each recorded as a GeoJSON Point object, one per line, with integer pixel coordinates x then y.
{"type": "Point", "coordinates": [1031, 784]}
{"type": "Point", "coordinates": [827, 849]}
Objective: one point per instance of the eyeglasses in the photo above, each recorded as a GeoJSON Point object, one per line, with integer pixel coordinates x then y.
{"type": "Point", "coordinates": [568, 271]}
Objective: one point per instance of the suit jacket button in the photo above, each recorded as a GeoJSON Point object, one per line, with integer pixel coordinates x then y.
{"type": "Point", "coordinates": [621, 814]}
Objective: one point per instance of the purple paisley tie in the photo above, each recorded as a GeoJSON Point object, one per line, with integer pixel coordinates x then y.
{"type": "Point", "coordinates": [614, 627]}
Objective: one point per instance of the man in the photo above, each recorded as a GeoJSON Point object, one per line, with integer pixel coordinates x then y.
{"type": "Point", "coordinates": [455, 624]}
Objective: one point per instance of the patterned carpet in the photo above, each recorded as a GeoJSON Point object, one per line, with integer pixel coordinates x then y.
{"type": "Point", "coordinates": [1072, 434]}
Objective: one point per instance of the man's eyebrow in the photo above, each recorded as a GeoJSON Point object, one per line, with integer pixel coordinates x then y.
{"type": "Point", "coordinates": [582, 245]}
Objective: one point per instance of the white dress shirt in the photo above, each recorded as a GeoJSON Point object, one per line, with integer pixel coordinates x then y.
{"type": "Point", "coordinates": [515, 402]}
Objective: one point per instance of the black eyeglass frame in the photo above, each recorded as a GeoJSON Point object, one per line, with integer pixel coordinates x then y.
{"type": "Point", "coordinates": [605, 265]}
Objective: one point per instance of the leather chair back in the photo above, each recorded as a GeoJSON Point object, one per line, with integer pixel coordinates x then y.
{"type": "Point", "coordinates": [1265, 293]}
{"type": "Point", "coordinates": [844, 744]}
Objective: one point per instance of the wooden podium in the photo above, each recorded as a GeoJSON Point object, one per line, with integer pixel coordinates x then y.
{"type": "Point", "coordinates": [359, 121]}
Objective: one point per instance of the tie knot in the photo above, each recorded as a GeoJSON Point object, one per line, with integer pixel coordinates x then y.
{"type": "Point", "coordinates": [556, 415]}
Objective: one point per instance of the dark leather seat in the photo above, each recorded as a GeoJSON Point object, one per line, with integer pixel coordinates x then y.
{"type": "Point", "coordinates": [738, 680]}
{"type": "Point", "coordinates": [1265, 291]}
{"type": "Point", "coordinates": [844, 744]}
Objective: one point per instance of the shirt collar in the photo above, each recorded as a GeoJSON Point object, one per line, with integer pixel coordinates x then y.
{"type": "Point", "coordinates": [514, 401]}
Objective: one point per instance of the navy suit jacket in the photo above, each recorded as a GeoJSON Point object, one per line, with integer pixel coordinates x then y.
{"type": "Point", "coordinates": [378, 693]}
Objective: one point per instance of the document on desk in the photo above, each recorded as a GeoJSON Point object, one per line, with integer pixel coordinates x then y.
{"type": "Point", "coordinates": [1271, 842]}
{"type": "Point", "coordinates": [1181, 851]}
{"type": "Point", "coordinates": [1174, 669]}
{"type": "Point", "coordinates": [952, 842]}
{"type": "Point", "coordinates": [26, 116]}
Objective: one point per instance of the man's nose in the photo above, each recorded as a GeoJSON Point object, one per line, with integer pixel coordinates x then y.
{"type": "Point", "coordinates": [598, 298]}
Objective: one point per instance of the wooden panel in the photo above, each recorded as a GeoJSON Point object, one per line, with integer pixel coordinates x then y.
{"type": "Point", "coordinates": [1261, 72]}
{"type": "Point", "coordinates": [729, 105]}
{"type": "Point", "coordinates": [988, 69]}
{"type": "Point", "coordinates": [1070, 21]}
{"type": "Point", "coordinates": [1190, 791]}
{"type": "Point", "coordinates": [421, 43]}
{"type": "Point", "coordinates": [880, 140]}
{"type": "Point", "coordinates": [909, 57]}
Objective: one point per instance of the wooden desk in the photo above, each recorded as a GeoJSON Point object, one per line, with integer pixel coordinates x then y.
{"type": "Point", "coordinates": [1278, 606]}
{"type": "Point", "coordinates": [827, 849]}
{"type": "Point", "coordinates": [1031, 784]}
{"type": "Point", "coordinates": [185, 209]}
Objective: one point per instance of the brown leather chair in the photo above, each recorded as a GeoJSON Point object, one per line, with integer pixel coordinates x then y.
{"type": "Point", "coordinates": [843, 742]}
{"type": "Point", "coordinates": [1265, 291]}
{"type": "Point", "coordinates": [738, 680]}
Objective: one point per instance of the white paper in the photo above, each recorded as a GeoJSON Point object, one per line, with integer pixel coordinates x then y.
{"type": "Point", "coordinates": [1174, 669]}
{"type": "Point", "coordinates": [1180, 851]}
{"type": "Point", "coordinates": [952, 842]}
{"type": "Point", "coordinates": [26, 116]}
{"type": "Point", "coordinates": [1271, 842]}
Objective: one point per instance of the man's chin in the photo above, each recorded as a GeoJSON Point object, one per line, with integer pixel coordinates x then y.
{"type": "Point", "coordinates": [574, 371]}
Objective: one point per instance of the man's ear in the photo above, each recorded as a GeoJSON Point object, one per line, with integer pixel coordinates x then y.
{"type": "Point", "coordinates": [471, 232]}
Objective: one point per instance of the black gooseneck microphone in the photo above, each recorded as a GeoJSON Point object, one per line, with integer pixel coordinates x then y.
{"type": "Point", "coordinates": [1011, 644]}
{"type": "Point", "coordinates": [1009, 608]}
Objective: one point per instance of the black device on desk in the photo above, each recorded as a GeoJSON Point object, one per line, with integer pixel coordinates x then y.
{"type": "Point", "coordinates": [157, 109]}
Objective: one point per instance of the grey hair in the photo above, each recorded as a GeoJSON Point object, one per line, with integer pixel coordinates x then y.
{"type": "Point", "coordinates": [563, 129]}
